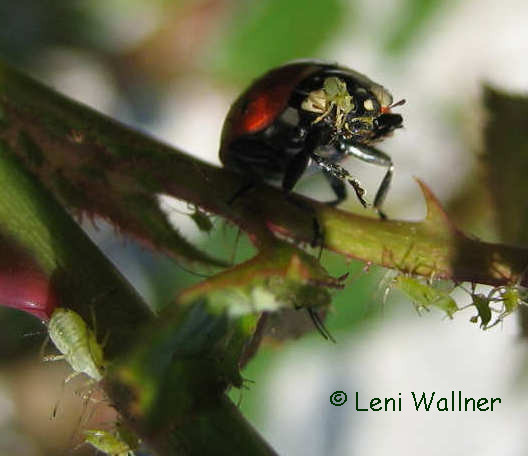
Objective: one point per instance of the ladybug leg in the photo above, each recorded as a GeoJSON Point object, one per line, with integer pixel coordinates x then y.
{"type": "Point", "coordinates": [339, 172]}
{"type": "Point", "coordinates": [382, 191]}
{"type": "Point", "coordinates": [338, 187]}
{"type": "Point", "coordinates": [372, 155]}
{"type": "Point", "coordinates": [254, 160]}
{"type": "Point", "coordinates": [295, 169]}
{"type": "Point", "coordinates": [240, 192]}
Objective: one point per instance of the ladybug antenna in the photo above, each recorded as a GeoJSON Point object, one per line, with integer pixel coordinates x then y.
{"type": "Point", "coordinates": [314, 316]}
{"type": "Point", "coordinates": [398, 103]}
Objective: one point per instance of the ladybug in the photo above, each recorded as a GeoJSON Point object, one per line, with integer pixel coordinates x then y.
{"type": "Point", "coordinates": [310, 115]}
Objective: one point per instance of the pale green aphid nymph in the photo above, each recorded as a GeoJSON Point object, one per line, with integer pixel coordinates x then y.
{"type": "Point", "coordinates": [77, 343]}
{"type": "Point", "coordinates": [118, 443]}
{"type": "Point", "coordinates": [334, 94]}
{"type": "Point", "coordinates": [425, 296]}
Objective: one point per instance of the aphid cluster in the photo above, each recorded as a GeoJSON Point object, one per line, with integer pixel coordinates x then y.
{"type": "Point", "coordinates": [502, 300]}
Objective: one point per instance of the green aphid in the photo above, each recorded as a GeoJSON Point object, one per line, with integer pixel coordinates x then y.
{"type": "Point", "coordinates": [337, 93]}
{"type": "Point", "coordinates": [202, 220]}
{"type": "Point", "coordinates": [511, 298]}
{"type": "Point", "coordinates": [425, 296]}
{"type": "Point", "coordinates": [77, 343]}
{"type": "Point", "coordinates": [333, 95]}
{"type": "Point", "coordinates": [482, 304]}
{"type": "Point", "coordinates": [120, 442]}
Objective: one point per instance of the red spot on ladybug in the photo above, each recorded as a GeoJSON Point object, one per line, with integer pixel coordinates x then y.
{"type": "Point", "coordinates": [259, 106]}
{"type": "Point", "coordinates": [259, 113]}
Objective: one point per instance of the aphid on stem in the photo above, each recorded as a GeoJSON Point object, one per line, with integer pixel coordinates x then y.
{"type": "Point", "coordinates": [425, 296]}
{"type": "Point", "coordinates": [77, 343]}
{"type": "Point", "coordinates": [510, 297]}
{"type": "Point", "coordinates": [200, 218]}
{"type": "Point", "coordinates": [120, 442]}
{"type": "Point", "coordinates": [482, 303]}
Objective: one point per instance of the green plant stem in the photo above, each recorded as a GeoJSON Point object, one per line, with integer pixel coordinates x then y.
{"type": "Point", "coordinates": [86, 281]}
{"type": "Point", "coordinates": [103, 164]}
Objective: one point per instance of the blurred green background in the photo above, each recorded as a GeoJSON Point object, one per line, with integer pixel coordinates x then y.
{"type": "Point", "coordinates": [172, 68]}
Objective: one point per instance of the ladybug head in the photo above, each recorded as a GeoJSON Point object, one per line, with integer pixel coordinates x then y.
{"type": "Point", "coordinates": [386, 124]}
{"type": "Point", "coordinates": [372, 120]}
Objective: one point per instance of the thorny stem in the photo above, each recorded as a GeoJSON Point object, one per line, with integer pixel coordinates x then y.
{"type": "Point", "coordinates": [96, 157]}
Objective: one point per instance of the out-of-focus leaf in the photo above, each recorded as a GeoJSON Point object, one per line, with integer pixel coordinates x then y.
{"type": "Point", "coordinates": [411, 22]}
{"type": "Point", "coordinates": [278, 279]}
{"type": "Point", "coordinates": [267, 33]}
{"type": "Point", "coordinates": [506, 155]}
{"type": "Point", "coordinates": [176, 382]}
{"type": "Point", "coordinates": [217, 317]}
{"type": "Point", "coordinates": [33, 26]}
{"type": "Point", "coordinates": [22, 334]}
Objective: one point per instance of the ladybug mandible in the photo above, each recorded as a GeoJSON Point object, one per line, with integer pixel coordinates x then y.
{"type": "Point", "coordinates": [310, 114]}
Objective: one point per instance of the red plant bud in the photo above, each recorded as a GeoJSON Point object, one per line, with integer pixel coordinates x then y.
{"type": "Point", "coordinates": [23, 283]}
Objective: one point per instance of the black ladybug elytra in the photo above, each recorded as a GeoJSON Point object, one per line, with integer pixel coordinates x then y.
{"type": "Point", "coordinates": [310, 114]}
